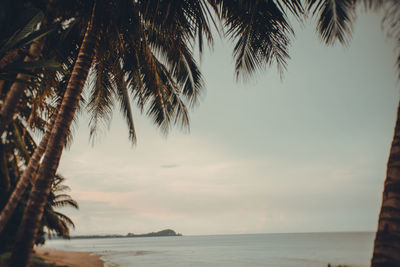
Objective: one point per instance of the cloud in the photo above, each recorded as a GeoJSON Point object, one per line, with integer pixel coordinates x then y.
{"type": "Point", "coordinates": [169, 166]}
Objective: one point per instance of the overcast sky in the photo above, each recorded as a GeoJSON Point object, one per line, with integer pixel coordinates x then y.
{"type": "Point", "coordinates": [300, 155]}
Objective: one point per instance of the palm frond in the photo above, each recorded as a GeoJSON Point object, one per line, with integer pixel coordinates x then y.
{"type": "Point", "coordinates": [158, 108]}
{"type": "Point", "coordinates": [20, 142]}
{"type": "Point", "coordinates": [123, 96]}
{"type": "Point", "coordinates": [185, 19]}
{"type": "Point", "coordinates": [56, 224]}
{"type": "Point", "coordinates": [375, 4]}
{"type": "Point", "coordinates": [65, 203]}
{"type": "Point", "coordinates": [19, 37]}
{"type": "Point", "coordinates": [335, 19]}
{"type": "Point", "coordinates": [101, 99]}
{"type": "Point", "coordinates": [176, 107]}
{"type": "Point", "coordinates": [295, 7]}
{"type": "Point", "coordinates": [261, 32]}
{"type": "Point", "coordinates": [180, 63]}
{"type": "Point", "coordinates": [65, 219]}
{"type": "Point", "coordinates": [391, 24]}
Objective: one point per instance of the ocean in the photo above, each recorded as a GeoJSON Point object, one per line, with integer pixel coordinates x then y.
{"type": "Point", "coordinates": [352, 249]}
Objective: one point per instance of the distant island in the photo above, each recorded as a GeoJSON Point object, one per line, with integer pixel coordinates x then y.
{"type": "Point", "coordinates": [166, 232]}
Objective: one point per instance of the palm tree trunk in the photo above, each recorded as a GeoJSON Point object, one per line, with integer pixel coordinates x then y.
{"type": "Point", "coordinates": [1, 86]}
{"type": "Point", "coordinates": [39, 194]}
{"type": "Point", "coordinates": [17, 88]}
{"type": "Point", "coordinates": [387, 239]}
{"type": "Point", "coordinates": [9, 57]}
{"type": "Point", "coordinates": [26, 177]}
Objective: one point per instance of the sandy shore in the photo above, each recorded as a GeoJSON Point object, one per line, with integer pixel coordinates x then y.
{"type": "Point", "coordinates": [70, 258]}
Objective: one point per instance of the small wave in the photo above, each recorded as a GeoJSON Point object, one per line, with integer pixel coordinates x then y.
{"type": "Point", "coordinates": [125, 253]}
{"type": "Point", "coordinates": [143, 252]}
{"type": "Point", "coordinates": [105, 254]}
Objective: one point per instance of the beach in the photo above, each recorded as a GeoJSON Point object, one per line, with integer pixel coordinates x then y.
{"type": "Point", "coordinates": [69, 258]}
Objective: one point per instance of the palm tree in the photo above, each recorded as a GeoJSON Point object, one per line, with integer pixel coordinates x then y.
{"type": "Point", "coordinates": [164, 103]}
{"type": "Point", "coordinates": [35, 207]}
{"type": "Point", "coordinates": [25, 179]}
{"type": "Point", "coordinates": [40, 94]}
{"type": "Point", "coordinates": [143, 29]}
{"type": "Point", "coordinates": [253, 49]}
{"type": "Point", "coordinates": [54, 223]}
{"type": "Point", "coordinates": [335, 20]}
{"type": "Point", "coordinates": [20, 74]}
{"type": "Point", "coordinates": [57, 223]}
{"type": "Point", "coordinates": [32, 70]}
{"type": "Point", "coordinates": [387, 239]}
{"type": "Point", "coordinates": [18, 147]}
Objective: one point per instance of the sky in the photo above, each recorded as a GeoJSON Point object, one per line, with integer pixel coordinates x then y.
{"type": "Point", "coordinates": [306, 153]}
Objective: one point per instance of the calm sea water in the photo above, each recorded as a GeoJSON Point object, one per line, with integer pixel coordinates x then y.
{"type": "Point", "coordinates": [275, 250]}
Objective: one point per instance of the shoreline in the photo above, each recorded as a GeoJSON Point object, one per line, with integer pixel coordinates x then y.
{"type": "Point", "coordinates": [70, 258]}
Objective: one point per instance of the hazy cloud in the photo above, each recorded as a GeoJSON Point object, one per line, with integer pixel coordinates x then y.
{"type": "Point", "coordinates": [169, 166]}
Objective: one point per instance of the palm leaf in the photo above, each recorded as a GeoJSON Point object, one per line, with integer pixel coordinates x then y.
{"type": "Point", "coordinates": [57, 222]}
{"type": "Point", "coordinates": [54, 223]}
{"type": "Point", "coordinates": [65, 219]}
{"type": "Point", "coordinates": [334, 19]}
{"type": "Point", "coordinates": [391, 24]}
{"type": "Point", "coordinates": [180, 63]}
{"type": "Point", "coordinates": [122, 94]}
{"type": "Point", "coordinates": [65, 203]}
{"type": "Point", "coordinates": [101, 99]}
{"type": "Point", "coordinates": [35, 17]}
{"type": "Point", "coordinates": [185, 19]}
{"type": "Point", "coordinates": [20, 143]}
{"type": "Point", "coordinates": [261, 32]}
